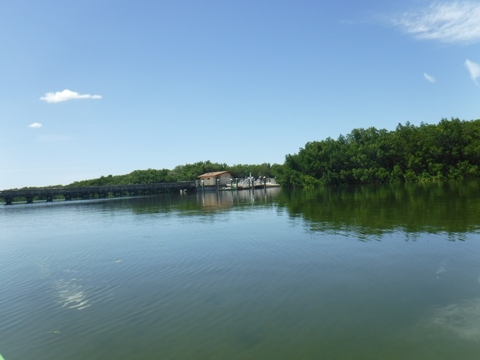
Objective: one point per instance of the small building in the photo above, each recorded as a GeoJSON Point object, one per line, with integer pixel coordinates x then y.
{"type": "Point", "coordinates": [210, 179]}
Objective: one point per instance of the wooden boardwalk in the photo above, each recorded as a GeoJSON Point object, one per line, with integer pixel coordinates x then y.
{"type": "Point", "coordinates": [93, 192]}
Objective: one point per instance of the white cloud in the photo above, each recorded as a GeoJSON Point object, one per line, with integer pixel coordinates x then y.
{"type": "Point", "coordinates": [473, 69]}
{"type": "Point", "coordinates": [450, 22]}
{"type": "Point", "coordinates": [460, 319]}
{"type": "Point", "coordinates": [65, 95]}
{"type": "Point", "coordinates": [429, 77]}
{"type": "Point", "coordinates": [35, 125]}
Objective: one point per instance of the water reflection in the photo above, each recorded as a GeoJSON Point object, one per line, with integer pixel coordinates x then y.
{"type": "Point", "coordinates": [106, 279]}
{"type": "Point", "coordinates": [460, 320]}
{"type": "Point", "coordinates": [197, 203]}
{"type": "Point", "coordinates": [72, 288]}
{"type": "Point", "coordinates": [368, 212]}
{"type": "Point", "coordinates": [450, 207]}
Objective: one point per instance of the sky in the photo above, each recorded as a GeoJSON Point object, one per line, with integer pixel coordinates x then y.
{"type": "Point", "coordinates": [91, 88]}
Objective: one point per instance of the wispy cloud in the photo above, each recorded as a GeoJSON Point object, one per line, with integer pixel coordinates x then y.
{"type": "Point", "coordinates": [473, 69]}
{"type": "Point", "coordinates": [66, 95]}
{"type": "Point", "coordinates": [450, 22]}
{"type": "Point", "coordinates": [429, 77]}
{"type": "Point", "coordinates": [35, 125]}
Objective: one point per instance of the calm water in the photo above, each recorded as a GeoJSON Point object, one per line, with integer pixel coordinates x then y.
{"type": "Point", "coordinates": [389, 272]}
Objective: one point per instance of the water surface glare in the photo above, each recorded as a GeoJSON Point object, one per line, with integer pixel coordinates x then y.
{"type": "Point", "coordinates": [353, 273]}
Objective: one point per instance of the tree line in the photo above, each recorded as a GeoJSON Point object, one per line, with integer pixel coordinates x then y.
{"type": "Point", "coordinates": [429, 152]}
{"type": "Point", "coordinates": [447, 150]}
{"type": "Point", "coordinates": [181, 173]}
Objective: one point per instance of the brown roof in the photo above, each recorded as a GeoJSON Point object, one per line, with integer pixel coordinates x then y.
{"type": "Point", "coordinates": [213, 174]}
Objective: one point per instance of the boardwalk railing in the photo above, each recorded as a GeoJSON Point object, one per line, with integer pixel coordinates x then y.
{"type": "Point", "coordinates": [93, 192]}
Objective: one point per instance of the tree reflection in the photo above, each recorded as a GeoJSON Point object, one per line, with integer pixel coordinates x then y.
{"type": "Point", "coordinates": [450, 207]}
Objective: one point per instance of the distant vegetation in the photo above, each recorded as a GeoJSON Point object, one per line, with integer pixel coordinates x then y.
{"type": "Point", "coordinates": [181, 173]}
{"type": "Point", "coordinates": [447, 150]}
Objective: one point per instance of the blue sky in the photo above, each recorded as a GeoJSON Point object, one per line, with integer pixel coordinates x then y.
{"type": "Point", "coordinates": [91, 88]}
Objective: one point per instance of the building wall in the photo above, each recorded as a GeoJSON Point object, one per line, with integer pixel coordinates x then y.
{"type": "Point", "coordinates": [225, 178]}
{"type": "Point", "coordinates": [212, 181]}
{"type": "Point", "coordinates": [209, 181]}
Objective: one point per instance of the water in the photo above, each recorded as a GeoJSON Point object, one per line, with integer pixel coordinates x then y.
{"type": "Point", "coordinates": [390, 272]}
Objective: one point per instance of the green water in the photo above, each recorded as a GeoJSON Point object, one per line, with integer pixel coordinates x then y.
{"type": "Point", "coordinates": [379, 272]}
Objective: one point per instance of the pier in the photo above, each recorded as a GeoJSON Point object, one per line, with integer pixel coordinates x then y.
{"type": "Point", "coordinates": [93, 192]}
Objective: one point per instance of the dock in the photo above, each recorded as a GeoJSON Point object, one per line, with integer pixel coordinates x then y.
{"type": "Point", "coordinates": [93, 192]}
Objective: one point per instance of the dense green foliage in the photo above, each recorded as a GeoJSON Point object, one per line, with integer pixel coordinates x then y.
{"type": "Point", "coordinates": [447, 150]}
{"type": "Point", "coordinates": [180, 173]}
